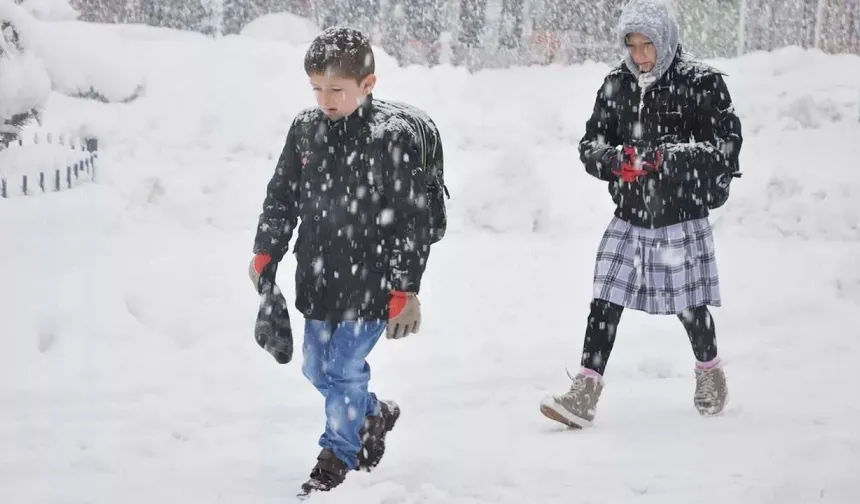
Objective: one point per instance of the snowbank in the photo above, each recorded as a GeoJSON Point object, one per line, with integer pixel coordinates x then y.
{"type": "Point", "coordinates": [795, 88]}
{"type": "Point", "coordinates": [20, 18]}
{"type": "Point", "coordinates": [24, 81]}
{"type": "Point", "coordinates": [282, 26]}
{"type": "Point", "coordinates": [24, 84]}
{"type": "Point", "coordinates": [79, 65]}
{"type": "Point", "coordinates": [73, 54]}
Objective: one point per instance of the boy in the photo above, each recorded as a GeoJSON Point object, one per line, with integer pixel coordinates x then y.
{"type": "Point", "coordinates": [666, 139]}
{"type": "Point", "coordinates": [365, 178]}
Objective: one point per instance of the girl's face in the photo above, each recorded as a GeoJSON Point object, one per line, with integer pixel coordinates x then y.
{"type": "Point", "coordinates": [642, 51]}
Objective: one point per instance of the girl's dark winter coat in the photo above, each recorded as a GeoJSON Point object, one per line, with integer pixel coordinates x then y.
{"type": "Point", "coordinates": [357, 185]}
{"type": "Point", "coordinates": [688, 113]}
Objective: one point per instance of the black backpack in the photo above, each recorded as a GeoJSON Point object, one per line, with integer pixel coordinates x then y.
{"type": "Point", "coordinates": [437, 191]}
{"type": "Point", "coordinates": [718, 190]}
{"type": "Point", "coordinates": [430, 145]}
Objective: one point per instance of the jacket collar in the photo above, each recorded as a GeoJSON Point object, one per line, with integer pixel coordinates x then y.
{"type": "Point", "coordinates": [355, 120]}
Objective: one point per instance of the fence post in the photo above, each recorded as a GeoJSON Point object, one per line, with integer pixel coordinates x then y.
{"type": "Point", "coordinates": [92, 148]}
{"type": "Point", "coordinates": [57, 177]}
{"type": "Point", "coordinates": [3, 188]}
{"type": "Point", "coordinates": [42, 181]}
{"type": "Point", "coordinates": [24, 185]}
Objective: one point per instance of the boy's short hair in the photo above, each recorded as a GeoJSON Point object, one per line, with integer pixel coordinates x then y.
{"type": "Point", "coordinates": [341, 51]}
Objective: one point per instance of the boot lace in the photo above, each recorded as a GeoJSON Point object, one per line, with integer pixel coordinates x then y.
{"type": "Point", "coordinates": [578, 385]}
{"type": "Point", "coordinates": [706, 389]}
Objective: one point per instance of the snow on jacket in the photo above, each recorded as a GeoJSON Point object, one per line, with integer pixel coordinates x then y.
{"type": "Point", "coordinates": [360, 237]}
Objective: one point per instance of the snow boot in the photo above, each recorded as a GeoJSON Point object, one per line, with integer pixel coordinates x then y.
{"type": "Point", "coordinates": [577, 407]}
{"type": "Point", "coordinates": [373, 434]}
{"type": "Point", "coordinates": [712, 392]}
{"type": "Point", "coordinates": [329, 472]}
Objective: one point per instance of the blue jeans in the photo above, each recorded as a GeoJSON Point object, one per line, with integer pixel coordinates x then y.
{"type": "Point", "coordinates": [334, 362]}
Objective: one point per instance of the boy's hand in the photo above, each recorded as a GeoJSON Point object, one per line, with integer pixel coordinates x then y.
{"type": "Point", "coordinates": [255, 269]}
{"type": "Point", "coordinates": [404, 315]}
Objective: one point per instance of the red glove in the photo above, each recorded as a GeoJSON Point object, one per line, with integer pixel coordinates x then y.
{"type": "Point", "coordinates": [628, 172]}
{"type": "Point", "coordinates": [404, 315]}
{"type": "Point", "coordinates": [261, 261]}
{"type": "Point", "coordinates": [255, 269]}
{"type": "Point", "coordinates": [632, 167]}
{"type": "Point", "coordinates": [397, 304]}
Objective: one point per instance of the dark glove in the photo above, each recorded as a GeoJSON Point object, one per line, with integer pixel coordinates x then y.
{"type": "Point", "coordinates": [272, 330]}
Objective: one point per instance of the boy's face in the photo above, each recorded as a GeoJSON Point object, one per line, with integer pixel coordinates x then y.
{"type": "Point", "coordinates": [338, 96]}
{"type": "Point", "coordinates": [642, 51]}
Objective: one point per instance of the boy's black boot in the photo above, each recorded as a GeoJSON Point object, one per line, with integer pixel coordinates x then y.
{"type": "Point", "coordinates": [373, 435]}
{"type": "Point", "coordinates": [329, 472]}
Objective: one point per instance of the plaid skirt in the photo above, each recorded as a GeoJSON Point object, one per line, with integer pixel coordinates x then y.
{"type": "Point", "coordinates": [659, 271]}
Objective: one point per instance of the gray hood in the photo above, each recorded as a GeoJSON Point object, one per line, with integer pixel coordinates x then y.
{"type": "Point", "coordinates": [656, 20]}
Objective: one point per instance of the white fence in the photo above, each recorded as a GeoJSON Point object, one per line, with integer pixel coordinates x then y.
{"type": "Point", "coordinates": [40, 163]}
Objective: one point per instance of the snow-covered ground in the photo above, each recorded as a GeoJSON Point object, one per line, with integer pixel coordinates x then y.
{"type": "Point", "coordinates": [129, 372]}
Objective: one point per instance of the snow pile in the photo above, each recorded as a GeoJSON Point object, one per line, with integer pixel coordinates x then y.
{"type": "Point", "coordinates": [24, 81]}
{"type": "Point", "coordinates": [129, 368]}
{"type": "Point", "coordinates": [24, 84]}
{"type": "Point", "coordinates": [282, 26]}
{"type": "Point", "coordinates": [73, 55]}
{"type": "Point", "coordinates": [20, 19]}
{"type": "Point", "coordinates": [801, 90]}
{"type": "Point", "coordinates": [78, 65]}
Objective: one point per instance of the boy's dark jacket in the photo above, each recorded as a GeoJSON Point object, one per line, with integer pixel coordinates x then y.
{"type": "Point", "coordinates": [358, 186]}
{"type": "Point", "coordinates": [689, 113]}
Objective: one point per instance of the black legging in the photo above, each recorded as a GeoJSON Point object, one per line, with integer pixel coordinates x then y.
{"type": "Point", "coordinates": [603, 323]}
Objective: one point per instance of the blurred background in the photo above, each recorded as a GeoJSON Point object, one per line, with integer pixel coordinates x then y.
{"type": "Point", "coordinates": [498, 33]}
